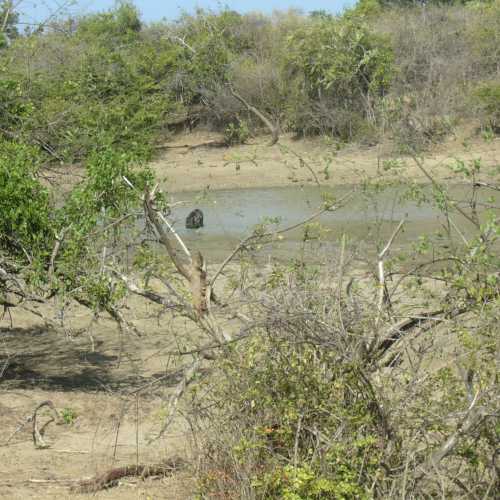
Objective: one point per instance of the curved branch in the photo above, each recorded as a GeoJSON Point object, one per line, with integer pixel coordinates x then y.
{"type": "Point", "coordinates": [274, 129]}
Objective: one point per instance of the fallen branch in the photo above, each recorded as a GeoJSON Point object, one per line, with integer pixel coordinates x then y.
{"type": "Point", "coordinates": [421, 321]}
{"type": "Point", "coordinates": [37, 434]}
{"type": "Point", "coordinates": [189, 147]}
{"type": "Point", "coordinates": [110, 478]}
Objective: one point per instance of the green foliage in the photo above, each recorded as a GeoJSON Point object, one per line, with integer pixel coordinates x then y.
{"type": "Point", "coordinates": [9, 19]}
{"type": "Point", "coordinates": [236, 133]}
{"type": "Point", "coordinates": [338, 60]}
{"type": "Point", "coordinates": [89, 93]}
{"type": "Point", "coordinates": [68, 415]}
{"type": "Point", "coordinates": [120, 25]}
{"type": "Point", "coordinates": [25, 224]}
{"type": "Point", "coordinates": [211, 44]}
{"type": "Point", "coordinates": [107, 80]}
{"type": "Point", "coordinates": [279, 390]}
{"type": "Point", "coordinates": [485, 36]}
{"type": "Point", "coordinates": [488, 97]}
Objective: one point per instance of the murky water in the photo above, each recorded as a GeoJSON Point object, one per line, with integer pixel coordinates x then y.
{"type": "Point", "coordinates": [231, 215]}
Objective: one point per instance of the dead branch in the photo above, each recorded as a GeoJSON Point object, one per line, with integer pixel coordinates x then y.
{"type": "Point", "coordinates": [195, 272]}
{"type": "Point", "coordinates": [123, 324]}
{"type": "Point", "coordinates": [37, 434]}
{"type": "Point", "coordinates": [198, 283]}
{"type": "Point", "coordinates": [152, 215]}
{"type": "Point", "coordinates": [274, 129]}
{"type": "Point", "coordinates": [189, 375]}
{"type": "Point", "coordinates": [423, 321]}
{"type": "Point", "coordinates": [383, 292]}
{"type": "Point", "coordinates": [189, 147]}
{"type": "Point", "coordinates": [147, 294]}
{"type": "Point", "coordinates": [55, 250]}
{"type": "Point", "coordinates": [182, 42]}
{"type": "Point", "coordinates": [473, 417]}
{"type": "Point", "coordinates": [111, 477]}
{"type": "Point", "coordinates": [487, 185]}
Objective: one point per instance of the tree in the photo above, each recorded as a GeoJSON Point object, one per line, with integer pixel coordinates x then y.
{"type": "Point", "coordinates": [9, 18]}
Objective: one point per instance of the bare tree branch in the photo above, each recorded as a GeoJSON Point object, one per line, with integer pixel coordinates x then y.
{"type": "Point", "coordinates": [274, 129]}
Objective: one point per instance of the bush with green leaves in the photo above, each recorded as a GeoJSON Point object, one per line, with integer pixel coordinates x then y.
{"type": "Point", "coordinates": [100, 86]}
{"type": "Point", "coordinates": [339, 64]}
{"type": "Point", "coordinates": [487, 96]}
{"type": "Point", "coordinates": [326, 394]}
{"type": "Point", "coordinates": [282, 402]}
{"type": "Point", "coordinates": [25, 205]}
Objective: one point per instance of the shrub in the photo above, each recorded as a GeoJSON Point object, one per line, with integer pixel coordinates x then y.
{"type": "Point", "coordinates": [339, 64]}
{"type": "Point", "coordinates": [25, 224]}
{"type": "Point", "coordinates": [83, 92]}
{"type": "Point", "coordinates": [236, 133]}
{"type": "Point", "coordinates": [487, 96]}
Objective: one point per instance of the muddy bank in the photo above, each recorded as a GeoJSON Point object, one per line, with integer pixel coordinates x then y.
{"type": "Point", "coordinates": [300, 162]}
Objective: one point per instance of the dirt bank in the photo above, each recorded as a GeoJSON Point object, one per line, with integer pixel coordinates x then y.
{"type": "Point", "coordinates": [182, 167]}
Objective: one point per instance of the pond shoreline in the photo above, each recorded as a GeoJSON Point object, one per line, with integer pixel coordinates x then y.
{"type": "Point", "coordinates": [181, 167]}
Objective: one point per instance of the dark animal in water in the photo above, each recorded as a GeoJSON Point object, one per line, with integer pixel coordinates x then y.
{"type": "Point", "coordinates": [195, 219]}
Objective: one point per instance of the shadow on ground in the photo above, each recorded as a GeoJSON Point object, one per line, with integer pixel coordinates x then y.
{"type": "Point", "coordinates": [45, 359]}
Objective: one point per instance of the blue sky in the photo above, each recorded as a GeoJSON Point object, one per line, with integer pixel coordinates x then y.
{"type": "Point", "coordinates": [154, 10]}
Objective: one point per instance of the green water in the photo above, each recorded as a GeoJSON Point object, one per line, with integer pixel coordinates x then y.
{"type": "Point", "coordinates": [367, 218]}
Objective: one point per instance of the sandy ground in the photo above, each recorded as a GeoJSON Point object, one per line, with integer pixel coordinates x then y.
{"type": "Point", "coordinates": [182, 168]}
{"type": "Point", "coordinates": [115, 388]}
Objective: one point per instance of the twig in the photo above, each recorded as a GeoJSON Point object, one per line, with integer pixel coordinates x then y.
{"type": "Point", "coordinates": [189, 375]}
{"type": "Point", "coordinates": [55, 250]}
{"type": "Point", "coordinates": [76, 452]}
{"type": "Point", "coordinates": [383, 293]}
{"type": "Point", "coordinates": [440, 188]}
{"type": "Point", "coordinates": [474, 415]}
{"type": "Point", "coordinates": [181, 41]}
{"type": "Point", "coordinates": [207, 144]}
{"type": "Point", "coordinates": [303, 163]}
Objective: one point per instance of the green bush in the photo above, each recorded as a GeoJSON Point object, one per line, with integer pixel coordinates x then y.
{"type": "Point", "coordinates": [85, 92]}
{"type": "Point", "coordinates": [487, 97]}
{"type": "Point", "coordinates": [236, 133]}
{"type": "Point", "coordinates": [294, 414]}
{"type": "Point", "coordinates": [25, 224]}
{"type": "Point", "coordinates": [340, 65]}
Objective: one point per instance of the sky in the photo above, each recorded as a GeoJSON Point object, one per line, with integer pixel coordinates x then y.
{"type": "Point", "coordinates": [154, 10]}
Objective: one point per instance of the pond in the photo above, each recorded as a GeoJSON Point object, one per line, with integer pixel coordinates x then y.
{"type": "Point", "coordinates": [367, 217]}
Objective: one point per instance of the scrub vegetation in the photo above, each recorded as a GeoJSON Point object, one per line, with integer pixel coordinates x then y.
{"type": "Point", "coordinates": [369, 375]}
